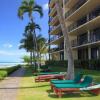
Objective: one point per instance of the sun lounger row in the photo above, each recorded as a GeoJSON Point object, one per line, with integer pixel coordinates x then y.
{"type": "Point", "coordinates": [62, 85]}
{"type": "Point", "coordinates": [74, 85]}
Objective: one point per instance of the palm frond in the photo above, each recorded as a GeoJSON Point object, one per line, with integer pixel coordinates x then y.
{"type": "Point", "coordinates": [25, 3]}
{"type": "Point", "coordinates": [20, 13]}
{"type": "Point", "coordinates": [31, 2]}
{"type": "Point", "coordinates": [38, 9]}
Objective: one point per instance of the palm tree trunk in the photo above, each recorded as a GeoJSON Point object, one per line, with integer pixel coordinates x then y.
{"type": "Point", "coordinates": [31, 59]}
{"type": "Point", "coordinates": [36, 47]}
{"type": "Point", "coordinates": [34, 58]}
{"type": "Point", "coordinates": [40, 59]}
{"type": "Point", "coordinates": [68, 50]}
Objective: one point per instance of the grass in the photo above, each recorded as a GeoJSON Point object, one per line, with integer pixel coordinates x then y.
{"type": "Point", "coordinates": [29, 90]}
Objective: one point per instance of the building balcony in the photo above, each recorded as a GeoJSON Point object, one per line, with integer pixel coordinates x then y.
{"type": "Point", "coordinates": [77, 6]}
{"type": "Point", "coordinates": [76, 44]}
{"type": "Point", "coordinates": [77, 24]}
{"type": "Point", "coordinates": [57, 39]}
{"type": "Point", "coordinates": [76, 29]}
{"type": "Point", "coordinates": [70, 3]}
{"type": "Point", "coordinates": [53, 11]}
{"type": "Point", "coordinates": [51, 3]}
{"type": "Point", "coordinates": [55, 30]}
{"type": "Point", "coordinates": [56, 50]}
{"type": "Point", "coordinates": [54, 21]}
{"type": "Point", "coordinates": [77, 13]}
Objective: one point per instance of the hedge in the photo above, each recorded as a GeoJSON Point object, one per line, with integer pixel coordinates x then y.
{"type": "Point", "coordinates": [6, 71]}
{"type": "Point", "coordinates": [84, 64]}
{"type": "Point", "coordinates": [57, 63]}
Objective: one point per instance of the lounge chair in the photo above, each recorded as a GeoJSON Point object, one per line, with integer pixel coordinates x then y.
{"type": "Point", "coordinates": [48, 73]}
{"type": "Point", "coordinates": [47, 78]}
{"type": "Point", "coordinates": [77, 79]}
{"type": "Point", "coordinates": [94, 88]}
{"type": "Point", "coordinates": [59, 88]}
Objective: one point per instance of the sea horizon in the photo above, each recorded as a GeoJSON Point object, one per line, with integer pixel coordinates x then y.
{"type": "Point", "coordinates": [9, 64]}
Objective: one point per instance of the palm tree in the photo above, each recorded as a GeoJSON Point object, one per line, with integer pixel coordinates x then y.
{"type": "Point", "coordinates": [31, 27]}
{"type": "Point", "coordinates": [41, 41]}
{"type": "Point", "coordinates": [29, 6]}
{"type": "Point", "coordinates": [70, 70]}
{"type": "Point", "coordinates": [27, 44]}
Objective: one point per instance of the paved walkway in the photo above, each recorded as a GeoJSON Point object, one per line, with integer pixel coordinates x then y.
{"type": "Point", "coordinates": [9, 86]}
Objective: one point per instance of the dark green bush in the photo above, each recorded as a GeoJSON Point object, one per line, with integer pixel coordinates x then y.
{"type": "Point", "coordinates": [6, 71]}
{"type": "Point", "coordinates": [57, 63]}
{"type": "Point", "coordinates": [84, 64]}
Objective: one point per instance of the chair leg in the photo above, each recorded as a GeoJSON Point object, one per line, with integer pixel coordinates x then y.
{"type": "Point", "coordinates": [96, 91]}
{"type": "Point", "coordinates": [58, 92]}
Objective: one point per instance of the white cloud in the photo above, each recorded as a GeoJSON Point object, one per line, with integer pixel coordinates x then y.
{"type": "Point", "coordinates": [7, 45]}
{"type": "Point", "coordinates": [12, 53]}
{"type": "Point", "coordinates": [45, 6]}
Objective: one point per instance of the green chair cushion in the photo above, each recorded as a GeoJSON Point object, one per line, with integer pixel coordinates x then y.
{"type": "Point", "coordinates": [87, 81]}
{"type": "Point", "coordinates": [68, 86]}
{"type": "Point", "coordinates": [78, 77]}
{"type": "Point", "coordinates": [62, 81]}
{"type": "Point", "coordinates": [76, 80]}
{"type": "Point", "coordinates": [46, 73]}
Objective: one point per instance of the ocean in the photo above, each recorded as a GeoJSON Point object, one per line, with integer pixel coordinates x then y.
{"type": "Point", "coordinates": [9, 64]}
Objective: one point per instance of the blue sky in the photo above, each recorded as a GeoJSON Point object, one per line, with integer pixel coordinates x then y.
{"type": "Point", "coordinates": [11, 28]}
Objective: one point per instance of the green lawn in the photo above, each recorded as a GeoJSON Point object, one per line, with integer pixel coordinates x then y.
{"type": "Point", "coordinates": [29, 90]}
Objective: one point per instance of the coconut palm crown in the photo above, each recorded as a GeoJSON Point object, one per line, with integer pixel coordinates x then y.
{"type": "Point", "coordinates": [29, 6]}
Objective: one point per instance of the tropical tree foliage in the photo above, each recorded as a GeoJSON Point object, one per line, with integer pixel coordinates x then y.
{"type": "Point", "coordinates": [30, 7]}
{"type": "Point", "coordinates": [41, 46]}
{"type": "Point", "coordinates": [27, 44]}
{"type": "Point", "coordinates": [26, 59]}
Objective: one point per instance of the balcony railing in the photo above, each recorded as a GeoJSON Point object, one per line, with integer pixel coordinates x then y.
{"type": "Point", "coordinates": [77, 6]}
{"type": "Point", "coordinates": [55, 28]}
{"type": "Point", "coordinates": [77, 24]}
{"type": "Point", "coordinates": [55, 37]}
{"type": "Point", "coordinates": [76, 43]}
{"type": "Point", "coordinates": [81, 22]}
{"type": "Point", "coordinates": [55, 49]}
{"type": "Point", "coordinates": [94, 13]}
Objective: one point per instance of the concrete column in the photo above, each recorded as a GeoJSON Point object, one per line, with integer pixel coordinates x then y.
{"type": "Point", "coordinates": [98, 52]}
{"type": "Point", "coordinates": [89, 53]}
{"type": "Point", "coordinates": [88, 30]}
{"type": "Point", "coordinates": [87, 17]}
{"type": "Point", "coordinates": [89, 36]}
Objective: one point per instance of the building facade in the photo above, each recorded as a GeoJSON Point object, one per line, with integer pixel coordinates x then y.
{"type": "Point", "coordinates": [82, 18]}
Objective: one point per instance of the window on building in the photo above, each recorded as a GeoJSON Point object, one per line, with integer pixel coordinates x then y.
{"type": "Point", "coordinates": [83, 54]}
{"type": "Point", "coordinates": [95, 53]}
{"type": "Point", "coordinates": [82, 39]}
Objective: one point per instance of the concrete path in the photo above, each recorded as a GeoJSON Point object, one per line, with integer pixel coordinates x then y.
{"type": "Point", "coordinates": [9, 86]}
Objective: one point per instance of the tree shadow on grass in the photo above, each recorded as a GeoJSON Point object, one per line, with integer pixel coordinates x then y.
{"type": "Point", "coordinates": [23, 87]}
{"type": "Point", "coordinates": [71, 94]}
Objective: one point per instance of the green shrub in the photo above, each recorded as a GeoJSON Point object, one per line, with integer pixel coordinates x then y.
{"type": "Point", "coordinates": [57, 63]}
{"type": "Point", "coordinates": [84, 64]}
{"type": "Point", "coordinates": [3, 74]}
{"type": "Point", "coordinates": [6, 71]}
